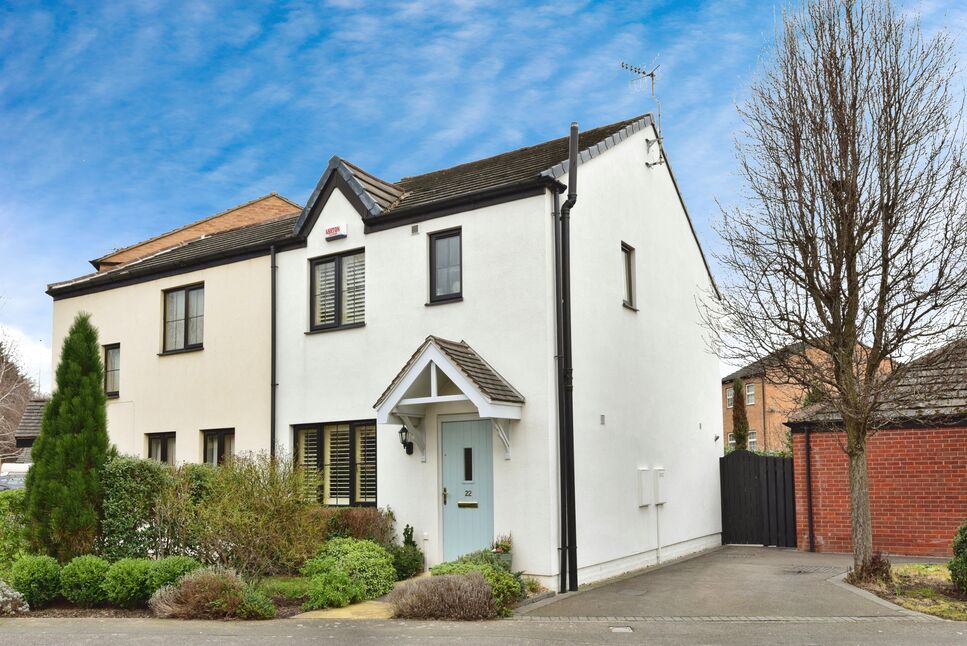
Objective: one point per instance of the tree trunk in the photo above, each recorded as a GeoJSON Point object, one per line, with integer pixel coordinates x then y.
{"type": "Point", "coordinates": [859, 495]}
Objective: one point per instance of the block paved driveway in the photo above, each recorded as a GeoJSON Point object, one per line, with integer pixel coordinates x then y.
{"type": "Point", "coordinates": [731, 583]}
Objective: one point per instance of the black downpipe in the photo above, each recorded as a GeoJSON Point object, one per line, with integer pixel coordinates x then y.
{"type": "Point", "coordinates": [568, 448]}
{"type": "Point", "coordinates": [273, 385]}
{"type": "Point", "coordinates": [809, 492]}
{"type": "Point", "coordinates": [559, 356]}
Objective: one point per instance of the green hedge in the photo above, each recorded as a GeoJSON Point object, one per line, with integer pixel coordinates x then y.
{"type": "Point", "coordinates": [37, 578]}
{"type": "Point", "coordinates": [127, 583]}
{"type": "Point", "coordinates": [132, 487]}
{"type": "Point", "coordinates": [958, 564]}
{"type": "Point", "coordinates": [13, 540]}
{"type": "Point", "coordinates": [82, 581]}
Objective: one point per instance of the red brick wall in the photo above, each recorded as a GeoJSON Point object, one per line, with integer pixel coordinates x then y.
{"type": "Point", "coordinates": [918, 490]}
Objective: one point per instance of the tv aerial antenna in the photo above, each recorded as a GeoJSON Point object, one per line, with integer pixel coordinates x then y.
{"type": "Point", "coordinates": [642, 79]}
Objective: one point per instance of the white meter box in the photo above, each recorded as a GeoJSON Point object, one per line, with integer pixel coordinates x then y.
{"type": "Point", "coordinates": [646, 487]}
{"type": "Point", "coordinates": [660, 487]}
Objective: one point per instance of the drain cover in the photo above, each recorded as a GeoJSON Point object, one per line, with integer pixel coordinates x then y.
{"type": "Point", "coordinates": [621, 629]}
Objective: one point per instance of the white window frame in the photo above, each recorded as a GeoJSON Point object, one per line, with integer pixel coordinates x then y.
{"type": "Point", "coordinates": [730, 397]}
{"type": "Point", "coordinates": [750, 394]}
{"type": "Point", "coordinates": [751, 442]}
{"type": "Point", "coordinates": [628, 269]}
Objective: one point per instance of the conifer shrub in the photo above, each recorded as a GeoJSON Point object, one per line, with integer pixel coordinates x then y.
{"type": "Point", "coordinates": [64, 493]}
{"type": "Point", "coordinates": [82, 580]}
{"type": "Point", "coordinates": [37, 578]}
{"type": "Point", "coordinates": [127, 583]}
{"type": "Point", "coordinates": [11, 602]}
{"type": "Point", "coordinates": [448, 597]}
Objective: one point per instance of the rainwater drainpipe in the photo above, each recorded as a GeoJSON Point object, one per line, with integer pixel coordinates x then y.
{"type": "Point", "coordinates": [809, 491]}
{"type": "Point", "coordinates": [272, 370]}
{"type": "Point", "coordinates": [561, 442]}
{"type": "Point", "coordinates": [568, 431]}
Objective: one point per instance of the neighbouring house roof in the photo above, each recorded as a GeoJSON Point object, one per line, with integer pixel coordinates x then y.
{"type": "Point", "coordinates": [262, 209]}
{"type": "Point", "coordinates": [757, 368]}
{"type": "Point", "coordinates": [931, 389]}
{"type": "Point", "coordinates": [231, 245]}
{"type": "Point", "coordinates": [29, 427]}
{"type": "Point", "coordinates": [487, 380]}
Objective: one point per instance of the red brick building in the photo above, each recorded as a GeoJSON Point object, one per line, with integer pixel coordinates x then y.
{"type": "Point", "coordinates": [917, 470]}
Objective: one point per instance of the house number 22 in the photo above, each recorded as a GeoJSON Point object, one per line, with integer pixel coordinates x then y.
{"type": "Point", "coordinates": [467, 492]}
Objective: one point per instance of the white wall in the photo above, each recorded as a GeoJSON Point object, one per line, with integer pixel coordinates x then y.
{"type": "Point", "coordinates": [506, 315]}
{"type": "Point", "coordinates": [225, 385]}
{"type": "Point", "coordinates": [648, 372]}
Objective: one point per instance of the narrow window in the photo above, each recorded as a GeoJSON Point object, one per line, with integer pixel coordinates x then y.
{"type": "Point", "coordinates": [751, 441]}
{"type": "Point", "coordinates": [219, 445]}
{"type": "Point", "coordinates": [750, 393]}
{"type": "Point", "coordinates": [184, 320]}
{"type": "Point", "coordinates": [112, 369]}
{"type": "Point", "coordinates": [161, 447]}
{"type": "Point", "coordinates": [339, 461]}
{"type": "Point", "coordinates": [731, 441]}
{"type": "Point", "coordinates": [729, 397]}
{"type": "Point", "coordinates": [467, 464]}
{"type": "Point", "coordinates": [446, 266]}
{"type": "Point", "coordinates": [628, 258]}
{"type": "Point", "coordinates": [338, 291]}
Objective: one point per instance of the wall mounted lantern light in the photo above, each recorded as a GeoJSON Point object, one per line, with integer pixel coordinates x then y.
{"type": "Point", "coordinates": [405, 440]}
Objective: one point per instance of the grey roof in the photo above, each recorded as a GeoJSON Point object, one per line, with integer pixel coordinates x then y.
{"type": "Point", "coordinates": [29, 426]}
{"type": "Point", "coordinates": [547, 161]}
{"type": "Point", "coordinates": [932, 387]}
{"type": "Point", "coordinates": [471, 364]}
{"type": "Point", "coordinates": [759, 367]}
{"type": "Point", "coordinates": [226, 244]}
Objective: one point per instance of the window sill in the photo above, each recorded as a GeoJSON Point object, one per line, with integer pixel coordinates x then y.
{"type": "Point", "coordinates": [445, 301]}
{"type": "Point", "coordinates": [338, 328]}
{"type": "Point", "coordinates": [181, 351]}
{"type": "Point", "coordinates": [629, 307]}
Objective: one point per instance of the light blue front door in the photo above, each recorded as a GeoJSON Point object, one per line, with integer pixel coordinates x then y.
{"type": "Point", "coordinates": [468, 487]}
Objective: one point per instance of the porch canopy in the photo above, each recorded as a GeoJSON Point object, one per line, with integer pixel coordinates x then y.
{"type": "Point", "coordinates": [442, 371]}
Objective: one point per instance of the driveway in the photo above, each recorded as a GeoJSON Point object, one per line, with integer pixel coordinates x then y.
{"type": "Point", "coordinates": [733, 582]}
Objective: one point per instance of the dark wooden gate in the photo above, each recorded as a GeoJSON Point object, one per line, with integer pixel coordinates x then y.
{"type": "Point", "coordinates": [758, 500]}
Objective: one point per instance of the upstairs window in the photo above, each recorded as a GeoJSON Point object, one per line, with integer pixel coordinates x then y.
{"type": "Point", "coordinates": [112, 369]}
{"type": "Point", "coordinates": [445, 266]}
{"type": "Point", "coordinates": [219, 445]}
{"type": "Point", "coordinates": [750, 393]}
{"type": "Point", "coordinates": [184, 318]}
{"type": "Point", "coordinates": [729, 397]}
{"type": "Point", "coordinates": [628, 261]}
{"type": "Point", "coordinates": [161, 447]}
{"type": "Point", "coordinates": [338, 291]}
{"type": "Point", "coordinates": [339, 461]}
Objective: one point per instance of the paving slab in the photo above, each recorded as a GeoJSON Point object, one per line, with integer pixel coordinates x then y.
{"type": "Point", "coordinates": [744, 582]}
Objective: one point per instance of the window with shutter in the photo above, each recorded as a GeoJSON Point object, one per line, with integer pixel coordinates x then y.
{"type": "Point", "coordinates": [340, 462]}
{"type": "Point", "coordinates": [338, 291]}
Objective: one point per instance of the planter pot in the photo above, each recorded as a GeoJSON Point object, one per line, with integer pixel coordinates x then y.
{"type": "Point", "coordinates": [506, 558]}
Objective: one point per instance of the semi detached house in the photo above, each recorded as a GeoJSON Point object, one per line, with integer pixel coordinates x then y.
{"type": "Point", "coordinates": [402, 338]}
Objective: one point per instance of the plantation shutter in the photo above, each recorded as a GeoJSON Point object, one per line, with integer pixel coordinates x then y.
{"type": "Point", "coordinates": [324, 299]}
{"type": "Point", "coordinates": [353, 303]}
{"type": "Point", "coordinates": [308, 458]}
{"type": "Point", "coordinates": [336, 438]}
{"type": "Point", "coordinates": [365, 463]}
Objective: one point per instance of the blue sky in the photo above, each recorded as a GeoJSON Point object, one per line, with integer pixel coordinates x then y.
{"type": "Point", "coordinates": [122, 120]}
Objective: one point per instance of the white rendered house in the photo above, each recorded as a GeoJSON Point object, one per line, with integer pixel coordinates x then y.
{"type": "Point", "coordinates": [432, 304]}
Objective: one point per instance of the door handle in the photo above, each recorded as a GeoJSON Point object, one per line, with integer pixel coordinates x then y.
{"type": "Point", "coordinates": [444, 495]}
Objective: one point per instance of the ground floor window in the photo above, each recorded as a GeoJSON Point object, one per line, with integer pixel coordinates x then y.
{"type": "Point", "coordinates": [750, 441]}
{"type": "Point", "coordinates": [219, 445]}
{"type": "Point", "coordinates": [161, 447]}
{"type": "Point", "coordinates": [340, 461]}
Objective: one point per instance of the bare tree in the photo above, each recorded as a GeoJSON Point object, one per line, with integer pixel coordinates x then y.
{"type": "Point", "coordinates": [848, 251]}
{"type": "Point", "coordinates": [15, 391]}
